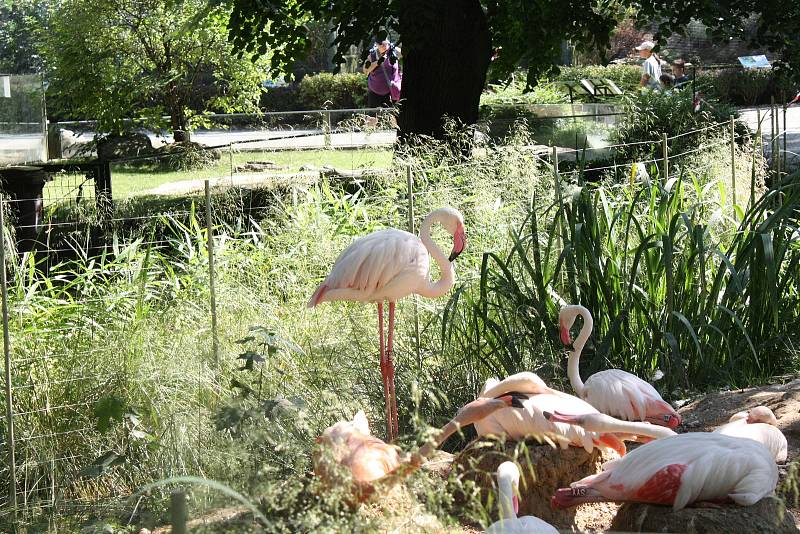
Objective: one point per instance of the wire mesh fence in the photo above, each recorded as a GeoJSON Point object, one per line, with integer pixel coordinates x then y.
{"type": "Point", "coordinates": [72, 303]}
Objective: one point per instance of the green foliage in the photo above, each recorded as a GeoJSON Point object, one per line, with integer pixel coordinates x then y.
{"type": "Point", "coordinates": [648, 115]}
{"type": "Point", "coordinates": [333, 91]}
{"type": "Point", "coordinates": [670, 284]}
{"type": "Point", "coordinates": [186, 157]}
{"type": "Point", "coordinates": [741, 87]}
{"type": "Point", "coordinates": [777, 26]}
{"type": "Point", "coordinates": [20, 22]}
{"type": "Point", "coordinates": [114, 60]}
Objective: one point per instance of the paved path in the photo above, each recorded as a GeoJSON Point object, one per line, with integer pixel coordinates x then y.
{"type": "Point", "coordinates": [750, 116]}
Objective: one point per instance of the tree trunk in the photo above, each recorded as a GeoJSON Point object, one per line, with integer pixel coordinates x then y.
{"type": "Point", "coordinates": [444, 67]}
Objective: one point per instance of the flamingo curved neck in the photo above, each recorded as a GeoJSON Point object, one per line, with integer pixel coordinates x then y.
{"type": "Point", "coordinates": [506, 498]}
{"type": "Point", "coordinates": [573, 369]}
{"type": "Point", "coordinates": [610, 424]}
{"type": "Point", "coordinates": [443, 285]}
{"type": "Point", "coordinates": [448, 430]}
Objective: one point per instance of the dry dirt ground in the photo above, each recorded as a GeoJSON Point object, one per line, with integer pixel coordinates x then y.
{"type": "Point", "coordinates": [701, 414]}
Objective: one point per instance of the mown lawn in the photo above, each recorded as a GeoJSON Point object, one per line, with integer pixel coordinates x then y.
{"type": "Point", "coordinates": [131, 180]}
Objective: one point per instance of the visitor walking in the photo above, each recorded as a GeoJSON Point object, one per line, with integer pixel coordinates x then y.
{"type": "Point", "coordinates": [679, 73]}
{"type": "Point", "coordinates": [651, 68]}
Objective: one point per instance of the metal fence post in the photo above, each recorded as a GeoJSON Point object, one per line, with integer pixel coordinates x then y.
{"type": "Point", "coordinates": [665, 148]}
{"type": "Point", "coordinates": [785, 153]}
{"type": "Point", "coordinates": [326, 127]}
{"type": "Point", "coordinates": [756, 146]}
{"type": "Point", "coordinates": [12, 464]}
{"type": "Point", "coordinates": [210, 245]}
{"type": "Point", "coordinates": [178, 512]}
{"type": "Point", "coordinates": [410, 189]}
{"type": "Point", "coordinates": [733, 161]}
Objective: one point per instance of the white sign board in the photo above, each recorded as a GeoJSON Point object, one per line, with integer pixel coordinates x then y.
{"type": "Point", "coordinates": [6, 83]}
{"type": "Point", "coordinates": [754, 62]}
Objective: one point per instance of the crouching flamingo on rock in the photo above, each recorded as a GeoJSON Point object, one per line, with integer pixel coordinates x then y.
{"type": "Point", "coordinates": [369, 463]}
{"type": "Point", "coordinates": [530, 421]}
{"type": "Point", "coordinates": [759, 424]}
{"type": "Point", "coordinates": [508, 503]}
{"type": "Point", "coordinates": [614, 391]}
{"type": "Point", "coordinates": [694, 468]}
{"type": "Point", "coordinates": [388, 265]}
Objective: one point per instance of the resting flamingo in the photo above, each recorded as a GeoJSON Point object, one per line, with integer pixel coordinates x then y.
{"type": "Point", "coordinates": [508, 503]}
{"type": "Point", "coordinates": [388, 265]}
{"type": "Point", "coordinates": [602, 423]}
{"type": "Point", "coordinates": [369, 463]}
{"type": "Point", "coordinates": [614, 391]}
{"type": "Point", "coordinates": [760, 424]}
{"type": "Point", "coordinates": [519, 424]}
{"type": "Point", "coordinates": [681, 470]}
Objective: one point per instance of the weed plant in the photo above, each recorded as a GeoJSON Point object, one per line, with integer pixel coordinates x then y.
{"type": "Point", "coordinates": [116, 383]}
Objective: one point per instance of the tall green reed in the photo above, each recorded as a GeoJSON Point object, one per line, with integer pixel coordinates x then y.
{"type": "Point", "coordinates": [672, 285]}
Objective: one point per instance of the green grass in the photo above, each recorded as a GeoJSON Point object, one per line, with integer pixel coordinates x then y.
{"type": "Point", "coordinates": [113, 353]}
{"type": "Point", "coordinates": [131, 180]}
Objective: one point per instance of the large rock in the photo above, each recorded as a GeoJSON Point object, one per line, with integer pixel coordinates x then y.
{"type": "Point", "coordinates": [544, 469]}
{"type": "Point", "coordinates": [768, 516]}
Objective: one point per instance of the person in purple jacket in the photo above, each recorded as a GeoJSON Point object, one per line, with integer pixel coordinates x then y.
{"type": "Point", "coordinates": [383, 75]}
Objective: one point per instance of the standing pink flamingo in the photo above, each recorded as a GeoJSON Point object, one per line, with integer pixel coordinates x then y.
{"type": "Point", "coordinates": [614, 391]}
{"type": "Point", "coordinates": [388, 265]}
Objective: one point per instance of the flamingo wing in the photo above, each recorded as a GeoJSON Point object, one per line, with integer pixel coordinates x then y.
{"type": "Point", "coordinates": [384, 265]}
{"type": "Point", "coordinates": [621, 394]}
{"type": "Point", "coordinates": [687, 468]}
{"type": "Point", "coordinates": [769, 436]}
{"type": "Point", "coordinates": [517, 424]}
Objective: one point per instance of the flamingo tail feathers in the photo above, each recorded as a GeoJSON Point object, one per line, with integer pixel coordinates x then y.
{"type": "Point", "coordinates": [316, 298]}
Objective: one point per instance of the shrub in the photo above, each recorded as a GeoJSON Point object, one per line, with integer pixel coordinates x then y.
{"type": "Point", "coordinates": [741, 87]}
{"type": "Point", "coordinates": [649, 115]}
{"type": "Point", "coordinates": [333, 91]}
{"type": "Point", "coordinates": [284, 98]}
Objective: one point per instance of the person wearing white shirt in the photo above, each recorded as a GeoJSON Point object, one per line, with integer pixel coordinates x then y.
{"type": "Point", "coordinates": [651, 68]}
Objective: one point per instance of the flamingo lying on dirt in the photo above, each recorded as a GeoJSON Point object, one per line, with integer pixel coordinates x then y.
{"type": "Point", "coordinates": [518, 424]}
{"type": "Point", "coordinates": [508, 502]}
{"type": "Point", "coordinates": [614, 391]}
{"type": "Point", "coordinates": [602, 423]}
{"type": "Point", "coordinates": [760, 424]}
{"type": "Point", "coordinates": [388, 265]}
{"type": "Point", "coordinates": [367, 463]}
{"type": "Point", "coordinates": [679, 471]}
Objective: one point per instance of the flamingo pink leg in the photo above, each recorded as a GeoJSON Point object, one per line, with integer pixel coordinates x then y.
{"type": "Point", "coordinates": [390, 368]}
{"type": "Point", "coordinates": [384, 373]}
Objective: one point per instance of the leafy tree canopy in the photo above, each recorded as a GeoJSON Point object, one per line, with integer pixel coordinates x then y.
{"type": "Point", "coordinates": [777, 23]}
{"type": "Point", "coordinates": [111, 59]}
{"type": "Point", "coordinates": [528, 32]}
{"type": "Point", "coordinates": [18, 20]}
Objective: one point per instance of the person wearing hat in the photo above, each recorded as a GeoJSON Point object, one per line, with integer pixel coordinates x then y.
{"type": "Point", "coordinates": [679, 73]}
{"type": "Point", "coordinates": [651, 68]}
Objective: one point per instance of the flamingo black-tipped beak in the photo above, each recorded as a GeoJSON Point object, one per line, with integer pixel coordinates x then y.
{"type": "Point", "coordinates": [459, 243]}
{"type": "Point", "coordinates": [515, 399]}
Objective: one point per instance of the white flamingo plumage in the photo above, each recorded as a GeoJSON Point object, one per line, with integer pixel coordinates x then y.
{"type": "Point", "coordinates": [602, 423]}
{"type": "Point", "coordinates": [388, 265]}
{"type": "Point", "coordinates": [759, 424]}
{"type": "Point", "coordinates": [508, 503]}
{"type": "Point", "coordinates": [531, 421]}
{"type": "Point", "coordinates": [613, 392]}
{"type": "Point", "coordinates": [679, 471]}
